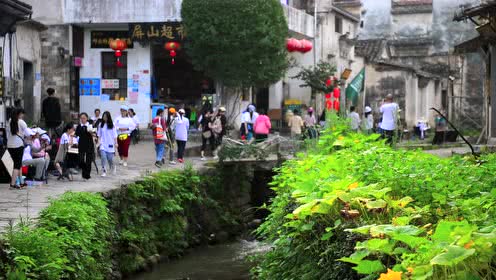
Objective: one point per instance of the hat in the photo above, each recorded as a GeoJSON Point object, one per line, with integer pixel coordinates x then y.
{"type": "Point", "coordinates": [251, 108]}
{"type": "Point", "coordinates": [29, 132]}
{"type": "Point", "coordinates": [368, 109]}
{"type": "Point", "coordinates": [310, 110]}
{"type": "Point", "coordinates": [172, 110]}
{"type": "Point", "coordinates": [39, 130]}
{"type": "Point", "coordinates": [181, 111]}
{"type": "Point", "coordinates": [222, 109]}
{"type": "Point", "coordinates": [124, 108]}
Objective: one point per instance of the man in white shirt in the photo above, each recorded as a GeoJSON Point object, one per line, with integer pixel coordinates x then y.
{"type": "Point", "coordinates": [355, 119]}
{"type": "Point", "coordinates": [389, 111]}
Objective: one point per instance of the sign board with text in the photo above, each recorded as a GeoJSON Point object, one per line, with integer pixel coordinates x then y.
{"type": "Point", "coordinates": [101, 39]}
{"type": "Point", "coordinates": [157, 31]}
{"type": "Point", "coordinates": [110, 83]}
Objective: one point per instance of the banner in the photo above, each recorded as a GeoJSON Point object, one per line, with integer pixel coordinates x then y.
{"type": "Point", "coordinates": [157, 32]}
{"type": "Point", "coordinates": [355, 87]}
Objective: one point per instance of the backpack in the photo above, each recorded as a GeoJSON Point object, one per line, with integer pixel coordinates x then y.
{"type": "Point", "coordinates": [216, 126]}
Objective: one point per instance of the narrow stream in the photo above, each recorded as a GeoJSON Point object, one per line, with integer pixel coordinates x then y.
{"type": "Point", "coordinates": [220, 262]}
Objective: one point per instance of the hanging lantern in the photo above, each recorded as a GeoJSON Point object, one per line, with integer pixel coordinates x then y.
{"type": "Point", "coordinates": [328, 96]}
{"type": "Point", "coordinates": [118, 46]}
{"type": "Point", "coordinates": [293, 45]}
{"type": "Point", "coordinates": [305, 46]}
{"type": "Point", "coordinates": [172, 47]}
{"type": "Point", "coordinates": [328, 104]}
{"type": "Point", "coordinates": [336, 105]}
{"type": "Point", "coordinates": [328, 82]}
{"type": "Point", "coordinates": [337, 92]}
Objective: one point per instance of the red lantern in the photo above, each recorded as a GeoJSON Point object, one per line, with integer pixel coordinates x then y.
{"type": "Point", "coordinates": [329, 104]}
{"type": "Point", "coordinates": [172, 47]}
{"type": "Point", "coordinates": [328, 82]}
{"type": "Point", "coordinates": [337, 92]}
{"type": "Point", "coordinates": [336, 105]}
{"type": "Point", "coordinates": [305, 46]}
{"type": "Point", "coordinates": [118, 46]}
{"type": "Point", "coordinates": [328, 96]}
{"type": "Point", "coordinates": [293, 45]}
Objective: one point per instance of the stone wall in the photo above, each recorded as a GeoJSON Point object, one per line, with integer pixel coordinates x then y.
{"type": "Point", "coordinates": [56, 66]}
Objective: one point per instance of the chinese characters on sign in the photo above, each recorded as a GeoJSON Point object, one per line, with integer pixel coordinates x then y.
{"type": "Point", "coordinates": [89, 87]}
{"type": "Point", "coordinates": [157, 31]}
{"type": "Point", "coordinates": [110, 83]}
{"type": "Point", "coordinates": [101, 39]}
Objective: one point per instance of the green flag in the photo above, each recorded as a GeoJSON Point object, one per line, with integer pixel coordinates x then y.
{"type": "Point", "coordinates": [355, 87]}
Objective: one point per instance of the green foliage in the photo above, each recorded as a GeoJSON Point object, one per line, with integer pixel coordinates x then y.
{"type": "Point", "coordinates": [71, 241]}
{"type": "Point", "coordinates": [151, 217]}
{"type": "Point", "coordinates": [316, 77]}
{"type": "Point", "coordinates": [241, 43]}
{"type": "Point", "coordinates": [414, 213]}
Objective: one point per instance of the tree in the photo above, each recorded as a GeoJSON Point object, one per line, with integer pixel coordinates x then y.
{"type": "Point", "coordinates": [238, 42]}
{"type": "Point", "coordinates": [316, 77]}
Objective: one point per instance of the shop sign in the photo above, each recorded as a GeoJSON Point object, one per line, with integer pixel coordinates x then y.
{"type": "Point", "coordinates": [101, 39]}
{"type": "Point", "coordinates": [110, 83]}
{"type": "Point", "coordinates": [157, 31]}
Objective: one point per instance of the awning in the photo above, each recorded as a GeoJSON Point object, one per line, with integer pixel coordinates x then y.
{"type": "Point", "coordinates": [472, 45]}
{"type": "Point", "coordinates": [12, 11]}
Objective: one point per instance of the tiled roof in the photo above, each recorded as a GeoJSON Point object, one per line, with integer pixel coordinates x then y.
{"type": "Point", "coordinates": [411, 2]}
{"type": "Point", "coordinates": [411, 6]}
{"type": "Point", "coordinates": [369, 49]}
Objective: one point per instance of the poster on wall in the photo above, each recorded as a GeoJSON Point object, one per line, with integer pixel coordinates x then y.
{"type": "Point", "coordinates": [133, 97]}
{"type": "Point", "coordinates": [89, 87]}
{"type": "Point", "coordinates": [110, 83]}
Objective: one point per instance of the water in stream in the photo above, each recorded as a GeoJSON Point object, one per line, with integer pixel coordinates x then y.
{"type": "Point", "coordinates": [220, 262]}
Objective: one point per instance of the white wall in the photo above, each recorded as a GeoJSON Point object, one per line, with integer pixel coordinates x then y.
{"type": "Point", "coordinates": [47, 11]}
{"type": "Point", "coordinates": [139, 59]}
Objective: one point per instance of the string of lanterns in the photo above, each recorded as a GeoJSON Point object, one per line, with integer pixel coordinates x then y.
{"type": "Point", "coordinates": [295, 45]}
{"type": "Point", "coordinates": [336, 93]}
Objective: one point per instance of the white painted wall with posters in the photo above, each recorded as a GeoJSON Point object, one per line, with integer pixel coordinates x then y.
{"type": "Point", "coordinates": [139, 73]}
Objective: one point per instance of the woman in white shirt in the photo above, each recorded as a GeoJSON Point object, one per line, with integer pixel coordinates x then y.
{"type": "Point", "coordinates": [107, 135]}
{"type": "Point", "coordinates": [136, 120]}
{"type": "Point", "coordinates": [368, 120]}
{"type": "Point", "coordinates": [124, 125]}
{"type": "Point", "coordinates": [16, 130]}
{"type": "Point", "coordinates": [62, 158]}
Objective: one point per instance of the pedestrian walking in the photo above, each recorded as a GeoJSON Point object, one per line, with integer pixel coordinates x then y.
{"type": "Point", "coordinates": [171, 134]}
{"type": "Point", "coordinates": [389, 111]}
{"type": "Point", "coordinates": [296, 123]}
{"type": "Point", "coordinates": [16, 131]}
{"type": "Point", "coordinates": [65, 160]}
{"type": "Point", "coordinates": [50, 110]}
{"type": "Point", "coordinates": [247, 121]}
{"type": "Point", "coordinates": [96, 119]}
{"type": "Point", "coordinates": [262, 126]}
{"type": "Point", "coordinates": [135, 134]}
{"type": "Point", "coordinates": [441, 128]}
{"type": "Point", "coordinates": [124, 125]}
{"type": "Point", "coordinates": [181, 128]}
{"type": "Point", "coordinates": [86, 145]}
{"type": "Point", "coordinates": [310, 123]}
{"type": "Point", "coordinates": [107, 140]}
{"type": "Point", "coordinates": [207, 135]}
{"type": "Point", "coordinates": [368, 120]}
{"type": "Point", "coordinates": [355, 119]}
{"type": "Point", "coordinates": [218, 127]}
{"type": "Point", "coordinates": [159, 128]}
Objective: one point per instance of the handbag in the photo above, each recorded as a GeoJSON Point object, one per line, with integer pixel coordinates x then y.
{"type": "Point", "coordinates": [207, 134]}
{"type": "Point", "coordinates": [160, 132]}
{"type": "Point", "coordinates": [123, 137]}
{"type": "Point", "coordinates": [73, 150]}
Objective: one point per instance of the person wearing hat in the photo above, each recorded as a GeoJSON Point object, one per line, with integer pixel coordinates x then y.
{"type": "Point", "coordinates": [40, 144]}
{"type": "Point", "coordinates": [247, 121]}
{"type": "Point", "coordinates": [181, 129]}
{"type": "Point", "coordinates": [40, 164]}
{"type": "Point", "coordinates": [368, 120]}
{"type": "Point", "coordinates": [124, 125]}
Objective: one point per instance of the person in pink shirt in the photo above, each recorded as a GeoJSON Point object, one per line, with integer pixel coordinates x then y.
{"type": "Point", "coordinates": [262, 126]}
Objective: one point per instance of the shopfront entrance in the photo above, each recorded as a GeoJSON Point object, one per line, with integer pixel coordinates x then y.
{"type": "Point", "coordinates": [178, 84]}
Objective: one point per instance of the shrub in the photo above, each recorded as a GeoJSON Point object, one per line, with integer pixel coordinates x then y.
{"type": "Point", "coordinates": [403, 213]}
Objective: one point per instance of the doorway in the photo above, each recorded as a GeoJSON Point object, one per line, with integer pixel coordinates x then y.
{"type": "Point", "coordinates": [262, 99]}
{"type": "Point", "coordinates": [27, 89]}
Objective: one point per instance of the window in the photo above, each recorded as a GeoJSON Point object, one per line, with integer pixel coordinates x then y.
{"type": "Point", "coordinates": [111, 71]}
{"type": "Point", "coordinates": [338, 25]}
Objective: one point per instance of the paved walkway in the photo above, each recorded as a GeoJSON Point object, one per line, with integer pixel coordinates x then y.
{"type": "Point", "coordinates": [27, 203]}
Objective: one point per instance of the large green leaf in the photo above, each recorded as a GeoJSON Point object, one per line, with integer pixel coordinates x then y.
{"type": "Point", "coordinates": [453, 255]}
{"type": "Point", "coordinates": [355, 258]}
{"type": "Point", "coordinates": [376, 204]}
{"type": "Point", "coordinates": [377, 245]}
{"type": "Point", "coordinates": [369, 267]}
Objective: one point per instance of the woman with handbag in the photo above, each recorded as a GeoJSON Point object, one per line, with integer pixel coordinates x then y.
{"type": "Point", "coordinates": [86, 145]}
{"type": "Point", "coordinates": [107, 137]}
{"type": "Point", "coordinates": [67, 153]}
{"type": "Point", "coordinates": [207, 136]}
{"type": "Point", "coordinates": [159, 127]}
{"type": "Point", "coordinates": [124, 125]}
